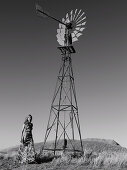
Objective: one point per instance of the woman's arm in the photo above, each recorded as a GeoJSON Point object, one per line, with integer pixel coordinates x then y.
{"type": "Point", "coordinates": [22, 133]}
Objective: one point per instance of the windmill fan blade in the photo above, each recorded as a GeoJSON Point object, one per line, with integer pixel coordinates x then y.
{"type": "Point", "coordinates": [84, 23]}
{"type": "Point", "coordinates": [62, 32]}
{"type": "Point", "coordinates": [60, 42]}
{"type": "Point", "coordinates": [67, 18]}
{"type": "Point", "coordinates": [60, 25]}
{"type": "Point", "coordinates": [81, 20]}
{"type": "Point", "coordinates": [73, 35]}
{"type": "Point", "coordinates": [63, 20]}
{"type": "Point", "coordinates": [71, 13]}
{"type": "Point", "coordinates": [59, 37]}
{"type": "Point", "coordinates": [74, 14]}
{"type": "Point", "coordinates": [79, 34]}
{"type": "Point", "coordinates": [75, 32]}
{"type": "Point", "coordinates": [58, 31]}
{"type": "Point", "coordinates": [79, 29]}
{"type": "Point", "coordinates": [78, 14]}
{"type": "Point", "coordinates": [75, 39]}
{"type": "Point", "coordinates": [63, 27]}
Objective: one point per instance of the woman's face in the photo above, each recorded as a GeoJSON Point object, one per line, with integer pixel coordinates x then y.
{"type": "Point", "coordinates": [29, 118]}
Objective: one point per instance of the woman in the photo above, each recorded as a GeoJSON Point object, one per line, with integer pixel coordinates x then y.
{"type": "Point", "coordinates": [26, 150]}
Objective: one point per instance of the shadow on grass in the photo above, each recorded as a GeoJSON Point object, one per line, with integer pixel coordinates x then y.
{"type": "Point", "coordinates": [44, 158]}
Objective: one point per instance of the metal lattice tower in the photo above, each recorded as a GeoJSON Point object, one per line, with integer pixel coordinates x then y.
{"type": "Point", "coordinates": [64, 116]}
{"type": "Point", "coordinates": [63, 124]}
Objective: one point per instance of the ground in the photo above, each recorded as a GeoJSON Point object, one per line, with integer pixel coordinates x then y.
{"type": "Point", "coordinates": [98, 155]}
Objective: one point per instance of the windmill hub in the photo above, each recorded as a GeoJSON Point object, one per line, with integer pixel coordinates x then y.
{"type": "Point", "coordinates": [69, 25]}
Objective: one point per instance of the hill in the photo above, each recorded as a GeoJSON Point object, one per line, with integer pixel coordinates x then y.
{"type": "Point", "coordinates": [96, 145]}
{"type": "Point", "coordinates": [98, 153]}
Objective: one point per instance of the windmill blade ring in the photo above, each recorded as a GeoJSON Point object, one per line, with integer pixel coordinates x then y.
{"type": "Point", "coordinates": [77, 19]}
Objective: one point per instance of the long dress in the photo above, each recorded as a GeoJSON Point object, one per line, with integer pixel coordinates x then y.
{"type": "Point", "coordinates": [26, 151]}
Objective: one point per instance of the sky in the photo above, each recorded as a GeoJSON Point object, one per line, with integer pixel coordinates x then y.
{"type": "Point", "coordinates": [30, 61]}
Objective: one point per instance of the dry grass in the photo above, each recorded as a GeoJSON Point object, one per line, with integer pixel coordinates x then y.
{"type": "Point", "coordinates": [111, 159]}
{"type": "Point", "coordinates": [91, 160]}
{"type": "Point", "coordinates": [107, 160]}
{"type": "Point", "coordinates": [98, 154]}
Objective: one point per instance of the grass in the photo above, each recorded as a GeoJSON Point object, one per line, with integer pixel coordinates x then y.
{"type": "Point", "coordinates": [98, 154]}
{"type": "Point", "coordinates": [105, 160]}
{"type": "Point", "coordinates": [111, 159]}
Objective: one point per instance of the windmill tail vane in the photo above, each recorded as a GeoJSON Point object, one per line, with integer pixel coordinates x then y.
{"type": "Point", "coordinates": [63, 123]}
{"type": "Point", "coordinates": [40, 12]}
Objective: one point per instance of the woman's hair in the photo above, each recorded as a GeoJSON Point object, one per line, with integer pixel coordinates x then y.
{"type": "Point", "coordinates": [26, 119]}
{"type": "Point", "coordinates": [30, 116]}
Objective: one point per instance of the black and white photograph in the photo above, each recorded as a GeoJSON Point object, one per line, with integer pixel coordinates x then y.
{"type": "Point", "coordinates": [63, 85]}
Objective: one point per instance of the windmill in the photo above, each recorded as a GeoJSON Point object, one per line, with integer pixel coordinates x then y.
{"type": "Point", "coordinates": [63, 124]}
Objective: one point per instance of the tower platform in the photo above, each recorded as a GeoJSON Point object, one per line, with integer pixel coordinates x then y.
{"type": "Point", "coordinates": [67, 49]}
